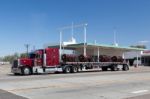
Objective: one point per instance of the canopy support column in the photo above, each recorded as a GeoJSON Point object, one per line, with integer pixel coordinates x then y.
{"type": "Point", "coordinates": [137, 63]}
{"type": "Point", "coordinates": [98, 54]}
{"type": "Point", "coordinates": [60, 46]}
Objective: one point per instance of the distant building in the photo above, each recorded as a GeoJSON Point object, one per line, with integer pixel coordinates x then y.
{"type": "Point", "coordinates": [143, 57]}
{"type": "Point", "coordinates": [133, 57]}
{"type": "Point", "coordinates": [4, 63]}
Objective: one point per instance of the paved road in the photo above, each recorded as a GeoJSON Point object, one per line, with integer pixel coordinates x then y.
{"type": "Point", "coordinates": [146, 96]}
{"type": "Point", "coordinates": [88, 85]}
{"type": "Point", "coordinates": [8, 95]}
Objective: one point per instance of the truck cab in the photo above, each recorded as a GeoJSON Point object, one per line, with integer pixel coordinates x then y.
{"type": "Point", "coordinates": [36, 61]}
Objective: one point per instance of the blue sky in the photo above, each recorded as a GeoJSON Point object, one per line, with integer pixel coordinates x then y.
{"type": "Point", "coordinates": [36, 22]}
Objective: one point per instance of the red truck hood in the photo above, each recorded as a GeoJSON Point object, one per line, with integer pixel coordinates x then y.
{"type": "Point", "coordinates": [25, 61]}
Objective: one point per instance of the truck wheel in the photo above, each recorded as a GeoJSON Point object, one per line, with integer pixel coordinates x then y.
{"type": "Point", "coordinates": [104, 68]}
{"type": "Point", "coordinates": [26, 71]}
{"type": "Point", "coordinates": [16, 74]}
{"type": "Point", "coordinates": [67, 69]}
{"type": "Point", "coordinates": [114, 68]}
{"type": "Point", "coordinates": [74, 69]}
{"type": "Point", "coordinates": [125, 67]}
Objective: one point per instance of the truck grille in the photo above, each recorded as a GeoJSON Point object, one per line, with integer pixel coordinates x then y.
{"type": "Point", "coordinates": [15, 64]}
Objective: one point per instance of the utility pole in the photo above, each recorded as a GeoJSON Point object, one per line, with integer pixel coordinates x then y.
{"type": "Point", "coordinates": [27, 48]}
{"type": "Point", "coordinates": [72, 31]}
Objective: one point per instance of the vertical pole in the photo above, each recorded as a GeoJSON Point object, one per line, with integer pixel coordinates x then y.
{"type": "Point", "coordinates": [114, 37]}
{"type": "Point", "coordinates": [141, 61]}
{"type": "Point", "coordinates": [98, 54]}
{"type": "Point", "coordinates": [85, 39]}
{"type": "Point", "coordinates": [34, 48]}
{"type": "Point", "coordinates": [144, 61]}
{"type": "Point", "coordinates": [123, 56]}
{"type": "Point", "coordinates": [72, 31]}
{"type": "Point", "coordinates": [60, 46]}
{"type": "Point", "coordinates": [27, 47]}
{"type": "Point", "coordinates": [137, 64]}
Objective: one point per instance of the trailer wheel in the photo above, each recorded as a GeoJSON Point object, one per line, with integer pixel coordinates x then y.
{"type": "Point", "coordinates": [67, 69]}
{"type": "Point", "coordinates": [74, 69]}
{"type": "Point", "coordinates": [26, 71]}
{"type": "Point", "coordinates": [125, 67]}
{"type": "Point", "coordinates": [114, 68]}
{"type": "Point", "coordinates": [104, 68]}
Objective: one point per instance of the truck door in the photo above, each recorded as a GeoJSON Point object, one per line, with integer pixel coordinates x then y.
{"type": "Point", "coordinates": [39, 57]}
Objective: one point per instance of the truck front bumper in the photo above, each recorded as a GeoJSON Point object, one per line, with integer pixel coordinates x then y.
{"type": "Point", "coordinates": [16, 70]}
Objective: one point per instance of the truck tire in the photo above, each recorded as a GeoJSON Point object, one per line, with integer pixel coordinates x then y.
{"type": "Point", "coordinates": [67, 69]}
{"type": "Point", "coordinates": [26, 71]}
{"type": "Point", "coordinates": [74, 69]}
{"type": "Point", "coordinates": [125, 67]}
{"type": "Point", "coordinates": [16, 74]}
{"type": "Point", "coordinates": [114, 68]}
{"type": "Point", "coordinates": [104, 68]}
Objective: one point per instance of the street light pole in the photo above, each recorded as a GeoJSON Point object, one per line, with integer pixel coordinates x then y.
{"type": "Point", "coordinates": [60, 45]}
{"type": "Point", "coordinates": [85, 39]}
{"type": "Point", "coordinates": [137, 59]}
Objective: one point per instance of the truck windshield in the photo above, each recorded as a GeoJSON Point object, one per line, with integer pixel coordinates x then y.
{"type": "Point", "coordinates": [32, 55]}
{"type": "Point", "coordinates": [38, 56]}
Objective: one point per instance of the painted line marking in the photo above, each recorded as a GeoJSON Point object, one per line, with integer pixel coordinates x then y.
{"type": "Point", "coordinates": [139, 91]}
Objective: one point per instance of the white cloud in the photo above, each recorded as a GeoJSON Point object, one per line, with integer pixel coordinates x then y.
{"type": "Point", "coordinates": [144, 42]}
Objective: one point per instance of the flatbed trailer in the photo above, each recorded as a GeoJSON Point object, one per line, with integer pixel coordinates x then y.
{"type": "Point", "coordinates": [73, 67]}
{"type": "Point", "coordinates": [69, 67]}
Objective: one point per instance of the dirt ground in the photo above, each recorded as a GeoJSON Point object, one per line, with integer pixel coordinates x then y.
{"type": "Point", "coordinates": [5, 69]}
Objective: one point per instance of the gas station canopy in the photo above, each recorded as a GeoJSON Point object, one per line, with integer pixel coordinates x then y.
{"type": "Point", "coordinates": [102, 46]}
{"type": "Point", "coordinates": [102, 49]}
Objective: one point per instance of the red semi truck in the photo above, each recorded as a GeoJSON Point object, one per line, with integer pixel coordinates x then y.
{"type": "Point", "coordinates": [48, 60]}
